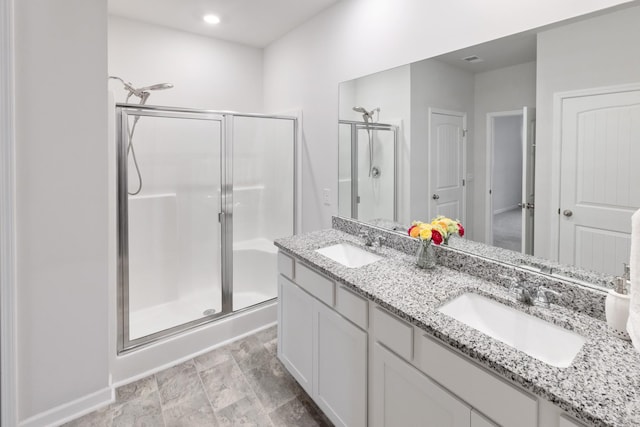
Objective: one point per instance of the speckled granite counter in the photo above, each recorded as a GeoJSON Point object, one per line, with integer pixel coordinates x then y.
{"type": "Point", "coordinates": [602, 385]}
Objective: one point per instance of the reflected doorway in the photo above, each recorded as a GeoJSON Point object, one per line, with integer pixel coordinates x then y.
{"type": "Point", "coordinates": [510, 177]}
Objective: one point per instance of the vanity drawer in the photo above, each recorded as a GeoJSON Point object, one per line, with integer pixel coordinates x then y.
{"type": "Point", "coordinates": [285, 265]}
{"type": "Point", "coordinates": [351, 306]}
{"type": "Point", "coordinates": [492, 396]}
{"type": "Point", "coordinates": [393, 333]}
{"type": "Point", "coordinates": [315, 283]}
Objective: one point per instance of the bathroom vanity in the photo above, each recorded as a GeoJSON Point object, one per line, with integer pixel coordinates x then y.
{"type": "Point", "coordinates": [371, 347]}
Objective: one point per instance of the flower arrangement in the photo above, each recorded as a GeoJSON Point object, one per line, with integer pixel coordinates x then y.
{"type": "Point", "coordinates": [438, 231]}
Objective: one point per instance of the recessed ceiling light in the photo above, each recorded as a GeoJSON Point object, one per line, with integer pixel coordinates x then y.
{"type": "Point", "coordinates": [211, 19]}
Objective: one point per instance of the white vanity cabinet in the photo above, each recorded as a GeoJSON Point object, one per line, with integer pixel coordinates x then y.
{"type": "Point", "coordinates": [323, 350]}
{"type": "Point", "coordinates": [364, 365]}
{"type": "Point", "coordinates": [295, 334]}
{"type": "Point", "coordinates": [340, 370]}
{"type": "Point", "coordinates": [404, 396]}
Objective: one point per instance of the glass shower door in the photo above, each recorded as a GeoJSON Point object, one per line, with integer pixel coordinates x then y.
{"type": "Point", "coordinates": [263, 203]}
{"type": "Point", "coordinates": [170, 193]}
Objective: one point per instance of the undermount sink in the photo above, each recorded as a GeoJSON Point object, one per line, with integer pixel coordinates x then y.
{"type": "Point", "coordinates": [542, 340]}
{"type": "Point", "coordinates": [349, 255]}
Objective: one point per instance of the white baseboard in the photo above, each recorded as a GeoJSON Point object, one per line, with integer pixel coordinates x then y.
{"type": "Point", "coordinates": [71, 410]}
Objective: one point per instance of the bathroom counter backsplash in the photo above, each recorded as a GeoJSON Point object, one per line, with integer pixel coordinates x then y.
{"type": "Point", "coordinates": [601, 386]}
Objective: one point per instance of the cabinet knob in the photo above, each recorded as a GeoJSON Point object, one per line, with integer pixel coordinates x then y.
{"type": "Point", "coordinates": [435, 197]}
{"type": "Point", "coordinates": [567, 212]}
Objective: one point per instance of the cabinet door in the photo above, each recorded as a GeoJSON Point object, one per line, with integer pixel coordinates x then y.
{"type": "Point", "coordinates": [403, 396]}
{"type": "Point", "coordinates": [340, 380]}
{"type": "Point", "coordinates": [478, 420]}
{"type": "Point", "coordinates": [296, 332]}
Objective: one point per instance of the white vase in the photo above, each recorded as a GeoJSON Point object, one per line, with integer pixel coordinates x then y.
{"type": "Point", "coordinates": [617, 311]}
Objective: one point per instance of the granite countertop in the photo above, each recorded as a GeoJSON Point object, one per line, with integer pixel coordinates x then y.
{"type": "Point", "coordinates": [602, 385]}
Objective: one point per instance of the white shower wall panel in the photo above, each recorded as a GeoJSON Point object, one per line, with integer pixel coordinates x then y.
{"type": "Point", "coordinates": [153, 250]}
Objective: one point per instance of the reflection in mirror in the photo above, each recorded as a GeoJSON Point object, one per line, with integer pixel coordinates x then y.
{"type": "Point", "coordinates": [529, 140]}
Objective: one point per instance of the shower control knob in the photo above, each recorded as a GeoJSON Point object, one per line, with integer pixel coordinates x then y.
{"type": "Point", "coordinates": [435, 197]}
{"type": "Point", "coordinates": [567, 212]}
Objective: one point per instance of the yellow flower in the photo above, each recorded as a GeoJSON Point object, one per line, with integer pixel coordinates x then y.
{"type": "Point", "coordinates": [425, 233]}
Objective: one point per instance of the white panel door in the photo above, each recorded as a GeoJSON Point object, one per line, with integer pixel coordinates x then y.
{"type": "Point", "coordinates": [599, 179]}
{"type": "Point", "coordinates": [296, 330]}
{"type": "Point", "coordinates": [340, 372]}
{"type": "Point", "coordinates": [528, 177]}
{"type": "Point", "coordinates": [446, 165]}
{"type": "Point", "coordinates": [403, 396]}
{"type": "Point", "coordinates": [478, 420]}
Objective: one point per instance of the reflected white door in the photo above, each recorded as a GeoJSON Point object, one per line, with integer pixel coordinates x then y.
{"type": "Point", "coordinates": [446, 164]}
{"type": "Point", "coordinates": [599, 176]}
{"type": "Point", "coordinates": [528, 177]}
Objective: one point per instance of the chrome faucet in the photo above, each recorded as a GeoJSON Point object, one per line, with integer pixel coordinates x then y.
{"type": "Point", "coordinates": [531, 295]}
{"type": "Point", "coordinates": [544, 296]}
{"type": "Point", "coordinates": [369, 239]}
{"type": "Point", "coordinates": [379, 240]}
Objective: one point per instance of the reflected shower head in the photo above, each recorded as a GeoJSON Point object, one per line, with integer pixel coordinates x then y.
{"type": "Point", "coordinates": [159, 86]}
{"type": "Point", "coordinates": [366, 115]}
{"type": "Point", "coordinates": [143, 92]}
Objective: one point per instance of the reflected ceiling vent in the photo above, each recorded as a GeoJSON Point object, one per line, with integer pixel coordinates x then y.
{"type": "Point", "coordinates": [473, 59]}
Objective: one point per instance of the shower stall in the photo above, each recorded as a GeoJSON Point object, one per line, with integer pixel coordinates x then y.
{"type": "Point", "coordinates": [201, 197]}
{"type": "Point", "coordinates": [367, 170]}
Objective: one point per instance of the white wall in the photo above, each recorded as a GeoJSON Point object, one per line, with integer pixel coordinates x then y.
{"type": "Point", "coordinates": [206, 73]}
{"type": "Point", "coordinates": [302, 70]}
{"type": "Point", "coordinates": [61, 166]}
{"type": "Point", "coordinates": [503, 89]}
{"type": "Point", "coordinates": [507, 163]}
{"type": "Point", "coordinates": [593, 53]}
{"type": "Point", "coordinates": [435, 84]}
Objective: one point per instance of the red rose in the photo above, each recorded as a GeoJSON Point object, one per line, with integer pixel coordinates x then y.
{"type": "Point", "coordinates": [410, 228]}
{"type": "Point", "coordinates": [436, 237]}
{"type": "Point", "coordinates": [460, 230]}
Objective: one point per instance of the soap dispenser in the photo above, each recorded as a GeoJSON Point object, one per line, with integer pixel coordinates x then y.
{"type": "Point", "coordinates": [617, 308]}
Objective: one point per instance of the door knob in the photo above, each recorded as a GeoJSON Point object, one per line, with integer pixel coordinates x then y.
{"type": "Point", "coordinates": [435, 197]}
{"type": "Point", "coordinates": [530, 206]}
{"type": "Point", "coordinates": [567, 212]}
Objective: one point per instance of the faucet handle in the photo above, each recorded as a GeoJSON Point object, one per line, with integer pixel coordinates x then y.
{"type": "Point", "coordinates": [366, 236]}
{"type": "Point", "coordinates": [380, 239]}
{"type": "Point", "coordinates": [514, 282]}
{"type": "Point", "coordinates": [544, 296]}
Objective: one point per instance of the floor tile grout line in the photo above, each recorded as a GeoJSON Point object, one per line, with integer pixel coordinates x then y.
{"type": "Point", "coordinates": [164, 421]}
{"type": "Point", "coordinates": [213, 411]}
{"type": "Point", "coordinates": [253, 391]}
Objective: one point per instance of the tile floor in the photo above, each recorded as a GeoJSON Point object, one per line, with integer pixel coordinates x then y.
{"type": "Point", "coordinates": [240, 384]}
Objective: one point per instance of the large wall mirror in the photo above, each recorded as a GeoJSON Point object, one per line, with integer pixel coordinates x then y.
{"type": "Point", "coordinates": [532, 141]}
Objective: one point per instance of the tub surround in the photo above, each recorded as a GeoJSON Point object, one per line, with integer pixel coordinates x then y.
{"type": "Point", "coordinates": [602, 385]}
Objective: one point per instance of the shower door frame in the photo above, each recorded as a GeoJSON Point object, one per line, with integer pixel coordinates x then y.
{"type": "Point", "coordinates": [355, 126]}
{"type": "Point", "coordinates": [225, 215]}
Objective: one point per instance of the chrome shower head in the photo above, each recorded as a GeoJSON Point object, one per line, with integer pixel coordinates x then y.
{"type": "Point", "coordinates": [159, 86]}
{"type": "Point", "coordinates": [143, 92]}
{"type": "Point", "coordinates": [366, 115]}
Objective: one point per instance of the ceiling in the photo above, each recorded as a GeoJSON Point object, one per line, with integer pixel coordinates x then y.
{"type": "Point", "coordinates": [500, 53]}
{"type": "Point", "coordinates": [250, 22]}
